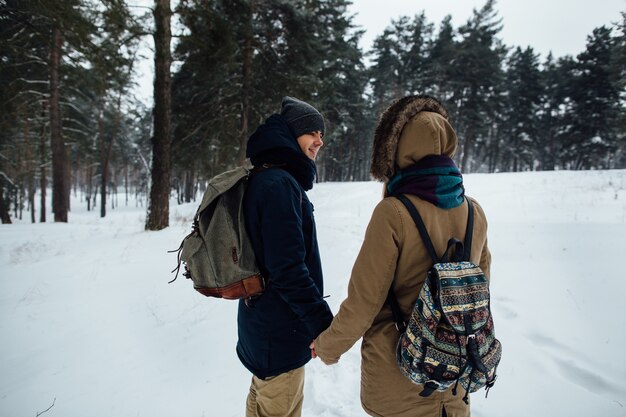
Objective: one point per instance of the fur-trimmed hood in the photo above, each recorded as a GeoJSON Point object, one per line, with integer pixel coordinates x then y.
{"type": "Point", "coordinates": [410, 129]}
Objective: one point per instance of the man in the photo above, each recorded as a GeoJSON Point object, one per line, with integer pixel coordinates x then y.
{"type": "Point", "coordinates": [276, 328]}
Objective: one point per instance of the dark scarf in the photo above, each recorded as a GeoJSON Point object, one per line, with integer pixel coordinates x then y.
{"type": "Point", "coordinates": [434, 178]}
{"type": "Point", "coordinates": [273, 144]}
{"type": "Point", "coordinates": [300, 166]}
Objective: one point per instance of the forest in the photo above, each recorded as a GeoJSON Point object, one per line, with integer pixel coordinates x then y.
{"type": "Point", "coordinates": [70, 122]}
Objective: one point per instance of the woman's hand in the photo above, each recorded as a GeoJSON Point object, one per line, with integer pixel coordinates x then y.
{"type": "Point", "coordinates": [325, 360]}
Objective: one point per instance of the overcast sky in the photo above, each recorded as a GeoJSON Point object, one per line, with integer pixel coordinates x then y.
{"type": "Point", "coordinates": [560, 26]}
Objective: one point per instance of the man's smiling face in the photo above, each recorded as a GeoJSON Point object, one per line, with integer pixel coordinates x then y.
{"type": "Point", "coordinates": [310, 143]}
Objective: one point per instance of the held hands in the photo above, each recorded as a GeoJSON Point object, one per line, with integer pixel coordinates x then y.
{"type": "Point", "coordinates": [326, 361]}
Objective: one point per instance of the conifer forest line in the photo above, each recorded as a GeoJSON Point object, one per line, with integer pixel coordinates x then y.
{"type": "Point", "coordinates": [70, 121]}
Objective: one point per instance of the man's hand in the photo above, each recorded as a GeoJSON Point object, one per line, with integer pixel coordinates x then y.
{"type": "Point", "coordinates": [325, 360]}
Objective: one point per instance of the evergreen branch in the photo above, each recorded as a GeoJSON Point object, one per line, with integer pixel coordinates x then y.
{"type": "Point", "coordinates": [143, 160]}
{"type": "Point", "coordinates": [11, 183]}
{"type": "Point", "coordinates": [32, 81]}
{"type": "Point", "coordinates": [71, 129]}
{"type": "Point", "coordinates": [38, 61]}
{"type": "Point", "coordinates": [71, 105]}
{"type": "Point", "coordinates": [134, 6]}
{"type": "Point", "coordinates": [23, 92]}
{"type": "Point", "coordinates": [86, 128]}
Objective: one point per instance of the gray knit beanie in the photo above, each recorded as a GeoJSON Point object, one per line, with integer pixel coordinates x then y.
{"type": "Point", "coordinates": [301, 117]}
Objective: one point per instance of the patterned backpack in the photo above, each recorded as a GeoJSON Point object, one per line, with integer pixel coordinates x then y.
{"type": "Point", "coordinates": [449, 339]}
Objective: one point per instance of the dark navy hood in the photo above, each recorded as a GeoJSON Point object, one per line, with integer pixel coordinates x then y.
{"type": "Point", "coordinates": [272, 134]}
{"type": "Point", "coordinates": [272, 143]}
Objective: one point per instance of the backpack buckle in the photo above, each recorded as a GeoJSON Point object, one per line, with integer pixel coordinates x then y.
{"type": "Point", "coordinates": [430, 386]}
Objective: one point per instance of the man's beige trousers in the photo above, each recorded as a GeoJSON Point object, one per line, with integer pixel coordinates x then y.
{"type": "Point", "coordinates": [277, 396]}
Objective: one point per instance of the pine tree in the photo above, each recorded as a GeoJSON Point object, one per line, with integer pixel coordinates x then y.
{"type": "Point", "coordinates": [111, 57]}
{"type": "Point", "coordinates": [477, 74]}
{"type": "Point", "coordinates": [417, 64]}
{"type": "Point", "coordinates": [402, 62]}
{"type": "Point", "coordinates": [520, 125]}
{"type": "Point", "coordinates": [342, 80]}
{"type": "Point", "coordinates": [158, 209]}
{"type": "Point", "coordinates": [442, 61]}
{"type": "Point", "coordinates": [591, 138]}
{"type": "Point", "coordinates": [40, 34]}
{"type": "Point", "coordinates": [385, 70]}
{"type": "Point", "coordinates": [618, 71]}
{"type": "Point", "coordinates": [239, 58]}
{"type": "Point", "coordinates": [549, 117]}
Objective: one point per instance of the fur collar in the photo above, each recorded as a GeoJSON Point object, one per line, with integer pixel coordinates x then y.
{"type": "Point", "coordinates": [389, 128]}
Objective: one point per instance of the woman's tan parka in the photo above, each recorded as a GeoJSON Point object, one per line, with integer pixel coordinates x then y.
{"type": "Point", "coordinates": [393, 255]}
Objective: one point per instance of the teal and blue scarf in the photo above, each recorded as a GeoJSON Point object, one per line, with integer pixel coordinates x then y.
{"type": "Point", "coordinates": [434, 178]}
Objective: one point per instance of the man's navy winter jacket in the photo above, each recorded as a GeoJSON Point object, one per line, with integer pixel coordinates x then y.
{"type": "Point", "coordinates": [275, 329]}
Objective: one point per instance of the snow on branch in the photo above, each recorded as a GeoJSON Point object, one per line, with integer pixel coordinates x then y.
{"type": "Point", "coordinates": [6, 177]}
{"type": "Point", "coordinates": [45, 82]}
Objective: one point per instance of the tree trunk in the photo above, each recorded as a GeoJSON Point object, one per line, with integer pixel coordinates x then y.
{"type": "Point", "coordinates": [30, 174]}
{"type": "Point", "coordinates": [60, 195]}
{"type": "Point", "coordinates": [5, 216]}
{"type": "Point", "coordinates": [188, 181]}
{"type": "Point", "coordinates": [158, 211]}
{"type": "Point", "coordinates": [104, 168]}
{"type": "Point", "coordinates": [246, 88]}
{"type": "Point", "coordinates": [105, 155]}
{"type": "Point", "coordinates": [467, 145]}
{"type": "Point", "coordinates": [43, 181]}
{"type": "Point", "coordinates": [126, 183]}
{"type": "Point", "coordinates": [31, 198]}
{"type": "Point", "coordinates": [89, 182]}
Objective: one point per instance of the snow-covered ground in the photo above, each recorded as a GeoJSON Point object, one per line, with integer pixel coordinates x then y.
{"type": "Point", "coordinates": [89, 323]}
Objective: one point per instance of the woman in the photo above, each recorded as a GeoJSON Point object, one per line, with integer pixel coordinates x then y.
{"type": "Point", "coordinates": [412, 152]}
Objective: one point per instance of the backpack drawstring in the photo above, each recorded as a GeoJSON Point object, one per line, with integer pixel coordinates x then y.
{"type": "Point", "coordinates": [456, 384]}
{"type": "Point", "coordinates": [177, 269]}
{"type": "Point", "coordinates": [489, 385]}
{"type": "Point", "coordinates": [469, 384]}
{"type": "Point", "coordinates": [194, 229]}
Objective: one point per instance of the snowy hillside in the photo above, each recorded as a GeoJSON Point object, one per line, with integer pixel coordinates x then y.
{"type": "Point", "coordinates": [88, 322]}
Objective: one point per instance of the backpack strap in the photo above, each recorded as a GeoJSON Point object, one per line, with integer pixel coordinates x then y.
{"type": "Point", "coordinates": [420, 226]}
{"type": "Point", "coordinates": [469, 231]}
{"type": "Point", "coordinates": [391, 297]}
{"type": "Point", "coordinates": [458, 251]}
{"type": "Point", "coordinates": [395, 311]}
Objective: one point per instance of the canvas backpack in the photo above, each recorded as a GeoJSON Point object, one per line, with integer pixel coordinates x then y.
{"type": "Point", "coordinates": [449, 339]}
{"type": "Point", "coordinates": [217, 255]}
